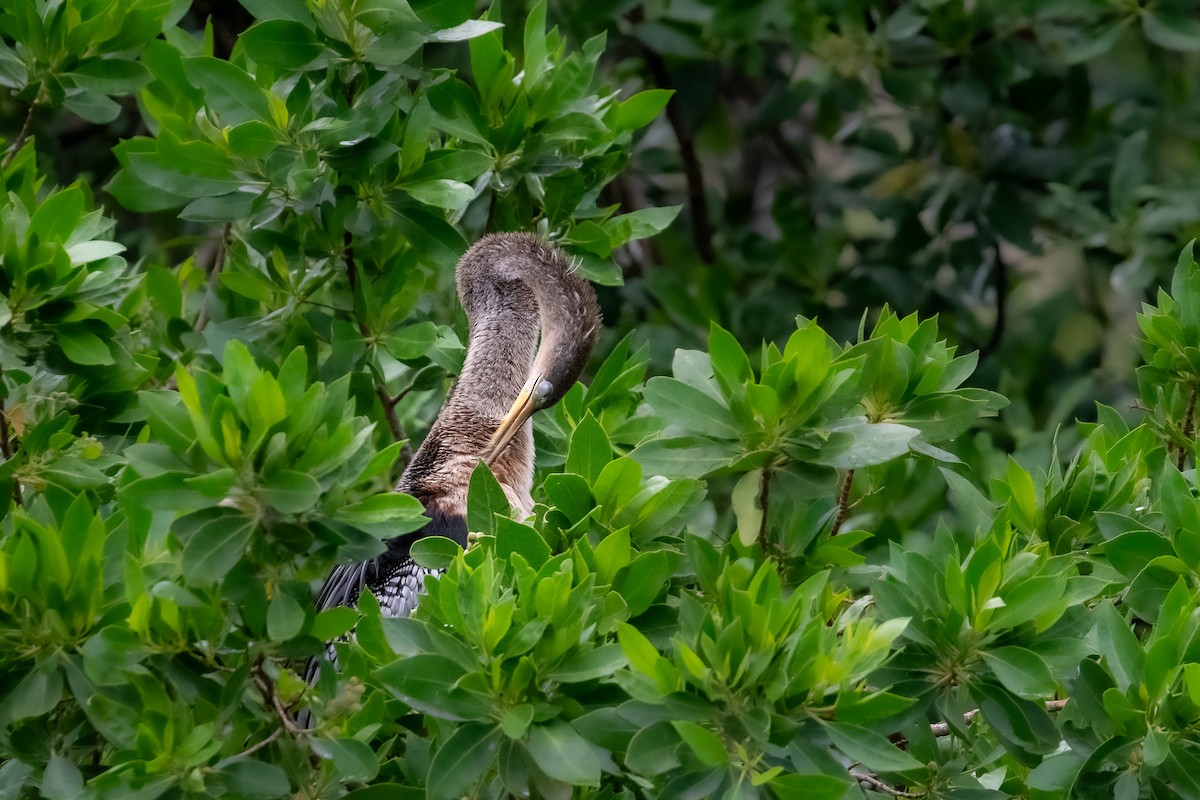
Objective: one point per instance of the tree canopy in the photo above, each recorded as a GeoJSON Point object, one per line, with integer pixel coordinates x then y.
{"type": "Point", "coordinates": [881, 483]}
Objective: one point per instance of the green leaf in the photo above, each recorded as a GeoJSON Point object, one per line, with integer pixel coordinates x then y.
{"type": "Point", "coordinates": [1176, 33]}
{"type": "Point", "coordinates": [62, 780]}
{"type": "Point", "coordinates": [589, 451]}
{"type": "Point", "coordinates": [747, 506]}
{"type": "Point", "coordinates": [437, 243]}
{"type": "Point", "coordinates": [354, 760]}
{"type": "Point", "coordinates": [638, 111]}
{"type": "Point", "coordinates": [791, 786]}
{"type": "Point", "coordinates": [563, 754]}
{"type": "Point", "coordinates": [441, 192]}
{"type": "Point", "coordinates": [703, 742]}
{"type": "Point", "coordinates": [168, 419]}
{"type": "Point", "coordinates": [281, 43]}
{"type": "Point", "coordinates": [333, 622]}
{"type": "Point", "coordinates": [285, 617]}
{"type": "Point", "coordinates": [684, 456]}
{"type": "Point", "coordinates": [871, 749]}
{"type": "Point", "coordinates": [88, 252]}
{"type": "Point", "coordinates": [853, 444]}
{"type": "Point", "coordinates": [643, 580]}
{"type": "Point", "coordinates": [443, 13]}
{"type": "Point", "coordinates": [37, 694]}
{"type": "Point", "coordinates": [617, 484]}
{"type": "Point", "coordinates": [228, 89]}
{"type": "Point", "coordinates": [470, 29]}
{"type": "Point", "coordinates": [462, 760]}
{"type": "Point", "coordinates": [1021, 671]}
{"type": "Point", "coordinates": [426, 682]}
{"type": "Point", "coordinates": [515, 537]}
{"type": "Point", "coordinates": [290, 492]}
{"type": "Point", "coordinates": [640, 224]}
{"type": "Point", "coordinates": [599, 662]}
{"type": "Point", "coordinates": [390, 507]}
{"type": "Point", "coordinates": [690, 408]}
{"type": "Point", "coordinates": [256, 780]}
{"type": "Point", "coordinates": [643, 656]}
{"type": "Point", "coordinates": [654, 750]}
{"type": "Point", "coordinates": [110, 75]}
{"type": "Point", "coordinates": [1119, 648]}
{"type": "Point", "coordinates": [434, 552]}
{"type": "Point", "coordinates": [534, 50]}
{"type": "Point", "coordinates": [57, 215]}
{"type": "Point", "coordinates": [252, 139]}
{"type": "Point", "coordinates": [215, 547]}
{"type": "Point", "coordinates": [279, 9]}
{"type": "Point", "coordinates": [485, 499]}
{"type": "Point", "coordinates": [412, 341]}
{"type": "Point", "coordinates": [516, 719]}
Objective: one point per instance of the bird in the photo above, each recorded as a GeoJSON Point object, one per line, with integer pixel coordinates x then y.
{"type": "Point", "coordinates": [533, 321]}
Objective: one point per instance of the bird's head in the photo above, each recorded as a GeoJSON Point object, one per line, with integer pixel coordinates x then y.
{"type": "Point", "coordinates": [569, 320]}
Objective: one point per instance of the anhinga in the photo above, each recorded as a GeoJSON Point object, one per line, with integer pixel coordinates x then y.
{"type": "Point", "coordinates": [512, 286]}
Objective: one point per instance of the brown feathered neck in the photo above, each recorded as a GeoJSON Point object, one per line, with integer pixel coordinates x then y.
{"type": "Point", "coordinates": [512, 286]}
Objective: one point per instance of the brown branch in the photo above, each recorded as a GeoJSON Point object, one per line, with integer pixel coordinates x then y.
{"type": "Point", "coordinates": [387, 401]}
{"type": "Point", "coordinates": [249, 751]}
{"type": "Point", "coordinates": [702, 229]}
{"type": "Point", "coordinates": [764, 496]}
{"type": "Point", "coordinates": [843, 503]}
{"type": "Point", "coordinates": [22, 135]}
{"type": "Point", "coordinates": [880, 786]}
{"type": "Point", "coordinates": [266, 688]}
{"type": "Point", "coordinates": [1188, 421]}
{"type": "Point", "coordinates": [1000, 275]}
{"type": "Point", "coordinates": [943, 728]}
{"type": "Point", "coordinates": [214, 274]}
{"type": "Point", "coordinates": [8, 448]}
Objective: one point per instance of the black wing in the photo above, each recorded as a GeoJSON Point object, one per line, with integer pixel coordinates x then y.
{"type": "Point", "coordinates": [392, 576]}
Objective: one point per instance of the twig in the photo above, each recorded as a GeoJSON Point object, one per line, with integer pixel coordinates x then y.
{"type": "Point", "coordinates": [880, 786]}
{"type": "Point", "coordinates": [843, 503]}
{"type": "Point", "coordinates": [1000, 274]}
{"type": "Point", "coordinates": [7, 449]}
{"type": "Point", "coordinates": [1188, 420]}
{"type": "Point", "coordinates": [19, 142]}
{"type": "Point", "coordinates": [764, 496]}
{"type": "Point", "coordinates": [214, 274]}
{"type": "Point", "coordinates": [387, 401]}
{"type": "Point", "coordinates": [943, 728]}
{"type": "Point", "coordinates": [252, 749]}
{"type": "Point", "coordinates": [266, 687]}
{"type": "Point", "coordinates": [702, 229]}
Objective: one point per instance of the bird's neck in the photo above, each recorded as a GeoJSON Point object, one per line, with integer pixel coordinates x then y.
{"type": "Point", "coordinates": [499, 356]}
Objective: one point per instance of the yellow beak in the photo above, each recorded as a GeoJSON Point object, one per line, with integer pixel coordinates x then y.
{"type": "Point", "coordinates": [521, 410]}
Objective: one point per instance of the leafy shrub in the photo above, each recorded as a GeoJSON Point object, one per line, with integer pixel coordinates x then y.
{"type": "Point", "coordinates": [794, 570]}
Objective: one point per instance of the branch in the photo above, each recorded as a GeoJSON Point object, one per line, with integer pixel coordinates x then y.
{"type": "Point", "coordinates": [880, 786]}
{"type": "Point", "coordinates": [1000, 274]}
{"type": "Point", "coordinates": [843, 503]}
{"type": "Point", "coordinates": [22, 135]}
{"type": "Point", "coordinates": [764, 496]}
{"type": "Point", "coordinates": [702, 229]}
{"type": "Point", "coordinates": [251, 750]}
{"type": "Point", "coordinates": [1188, 420]}
{"type": "Point", "coordinates": [214, 274]}
{"type": "Point", "coordinates": [266, 688]}
{"type": "Point", "coordinates": [387, 401]}
{"type": "Point", "coordinates": [8, 448]}
{"type": "Point", "coordinates": [943, 728]}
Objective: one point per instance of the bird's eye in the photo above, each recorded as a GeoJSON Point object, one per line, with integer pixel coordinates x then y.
{"type": "Point", "coordinates": [543, 389]}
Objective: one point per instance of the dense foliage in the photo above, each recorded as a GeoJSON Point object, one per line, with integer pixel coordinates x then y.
{"type": "Point", "coordinates": [797, 568]}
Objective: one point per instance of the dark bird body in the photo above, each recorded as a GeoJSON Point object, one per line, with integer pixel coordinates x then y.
{"type": "Point", "coordinates": [516, 290]}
